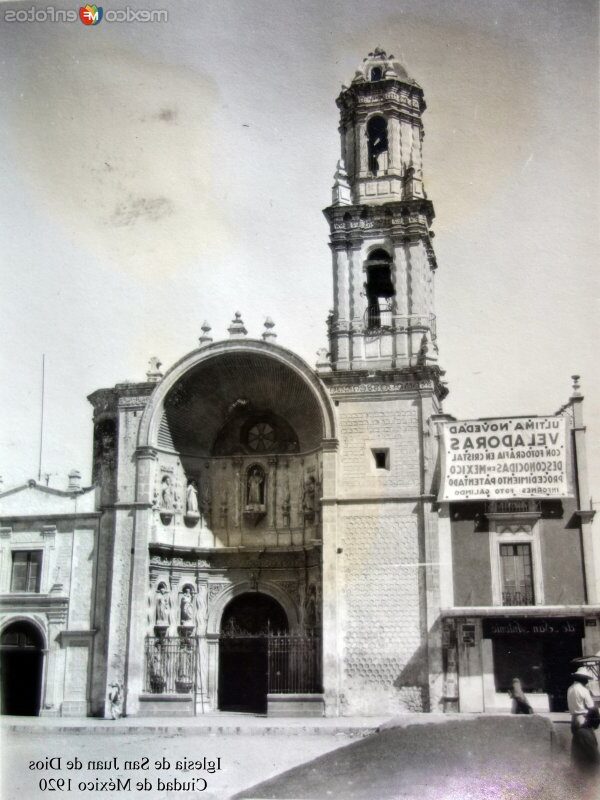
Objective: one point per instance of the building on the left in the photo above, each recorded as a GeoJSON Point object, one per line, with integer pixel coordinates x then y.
{"type": "Point", "coordinates": [48, 625]}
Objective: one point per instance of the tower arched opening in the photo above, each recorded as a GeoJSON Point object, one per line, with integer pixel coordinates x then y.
{"type": "Point", "coordinates": [377, 142]}
{"type": "Point", "coordinates": [379, 289]}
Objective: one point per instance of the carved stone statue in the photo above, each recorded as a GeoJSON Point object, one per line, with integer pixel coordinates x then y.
{"type": "Point", "coordinates": [187, 608]}
{"type": "Point", "coordinates": [256, 488]}
{"type": "Point", "coordinates": [167, 494]}
{"type": "Point", "coordinates": [191, 499]}
{"type": "Point", "coordinates": [162, 605]}
{"type": "Point", "coordinates": [308, 497]}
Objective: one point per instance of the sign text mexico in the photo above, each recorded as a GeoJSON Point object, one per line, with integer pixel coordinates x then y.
{"type": "Point", "coordinates": [502, 459]}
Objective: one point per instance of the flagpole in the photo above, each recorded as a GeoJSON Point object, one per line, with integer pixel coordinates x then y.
{"type": "Point", "coordinates": [42, 416]}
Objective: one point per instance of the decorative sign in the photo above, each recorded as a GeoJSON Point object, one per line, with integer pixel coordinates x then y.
{"type": "Point", "coordinates": [536, 626]}
{"type": "Point", "coordinates": [503, 459]}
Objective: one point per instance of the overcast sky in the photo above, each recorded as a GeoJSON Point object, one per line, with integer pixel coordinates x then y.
{"type": "Point", "coordinates": [156, 175]}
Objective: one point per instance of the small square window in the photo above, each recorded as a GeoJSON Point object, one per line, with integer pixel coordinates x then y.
{"type": "Point", "coordinates": [381, 458]}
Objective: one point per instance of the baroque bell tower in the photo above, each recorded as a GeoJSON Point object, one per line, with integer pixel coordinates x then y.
{"type": "Point", "coordinates": [381, 530]}
{"type": "Point", "coordinates": [380, 218]}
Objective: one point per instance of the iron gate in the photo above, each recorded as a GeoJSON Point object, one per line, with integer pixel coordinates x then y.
{"type": "Point", "coordinates": [293, 662]}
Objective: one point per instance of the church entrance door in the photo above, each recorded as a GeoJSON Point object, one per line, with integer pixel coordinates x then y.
{"type": "Point", "coordinates": [21, 659]}
{"type": "Point", "coordinates": [247, 623]}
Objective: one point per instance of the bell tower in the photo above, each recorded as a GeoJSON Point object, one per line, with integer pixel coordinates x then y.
{"type": "Point", "coordinates": [381, 554]}
{"type": "Point", "coordinates": [380, 218]}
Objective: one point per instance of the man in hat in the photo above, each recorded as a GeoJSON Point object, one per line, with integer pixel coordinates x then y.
{"type": "Point", "coordinates": [585, 719]}
{"type": "Point", "coordinates": [579, 697]}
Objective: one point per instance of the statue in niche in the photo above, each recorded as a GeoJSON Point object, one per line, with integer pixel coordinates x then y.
{"type": "Point", "coordinates": [191, 499]}
{"type": "Point", "coordinates": [309, 495]}
{"type": "Point", "coordinates": [256, 487]}
{"type": "Point", "coordinates": [186, 613]}
{"type": "Point", "coordinates": [162, 606]}
{"type": "Point", "coordinates": [166, 495]}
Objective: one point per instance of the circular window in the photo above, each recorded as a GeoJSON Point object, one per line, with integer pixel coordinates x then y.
{"type": "Point", "coordinates": [261, 437]}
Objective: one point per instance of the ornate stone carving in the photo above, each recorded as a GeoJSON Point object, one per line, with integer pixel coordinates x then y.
{"type": "Point", "coordinates": [215, 589]}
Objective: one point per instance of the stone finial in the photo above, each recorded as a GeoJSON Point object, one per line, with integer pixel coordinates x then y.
{"type": "Point", "coordinates": [237, 329]}
{"type": "Point", "coordinates": [74, 481]}
{"type": "Point", "coordinates": [154, 374]}
{"type": "Point", "coordinates": [205, 338]}
{"type": "Point", "coordinates": [323, 362]}
{"type": "Point", "coordinates": [576, 392]}
{"type": "Point", "coordinates": [269, 334]}
{"type": "Point", "coordinates": [340, 194]}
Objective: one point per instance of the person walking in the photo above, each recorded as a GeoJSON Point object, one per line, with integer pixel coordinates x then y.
{"type": "Point", "coordinates": [520, 704]}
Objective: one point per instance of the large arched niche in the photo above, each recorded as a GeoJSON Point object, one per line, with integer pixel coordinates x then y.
{"type": "Point", "coordinates": [223, 385]}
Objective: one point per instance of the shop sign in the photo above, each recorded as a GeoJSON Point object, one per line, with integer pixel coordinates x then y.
{"type": "Point", "coordinates": [538, 626]}
{"type": "Point", "coordinates": [505, 458]}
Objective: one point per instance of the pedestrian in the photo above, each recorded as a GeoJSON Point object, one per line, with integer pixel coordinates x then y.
{"type": "Point", "coordinates": [520, 704]}
{"type": "Point", "coordinates": [115, 699]}
{"type": "Point", "coordinates": [584, 721]}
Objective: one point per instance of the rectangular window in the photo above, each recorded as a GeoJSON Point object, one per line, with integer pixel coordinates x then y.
{"type": "Point", "coordinates": [26, 571]}
{"type": "Point", "coordinates": [517, 575]}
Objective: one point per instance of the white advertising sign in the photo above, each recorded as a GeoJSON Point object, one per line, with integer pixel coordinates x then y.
{"type": "Point", "coordinates": [503, 459]}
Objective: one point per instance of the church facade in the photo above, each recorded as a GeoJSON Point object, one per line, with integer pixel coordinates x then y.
{"type": "Point", "coordinates": [264, 536]}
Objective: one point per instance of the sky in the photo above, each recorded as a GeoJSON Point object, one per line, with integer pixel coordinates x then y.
{"type": "Point", "coordinates": [156, 175]}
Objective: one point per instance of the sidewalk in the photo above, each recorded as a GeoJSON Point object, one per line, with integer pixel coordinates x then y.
{"type": "Point", "coordinates": [221, 723]}
{"type": "Point", "coordinates": [246, 724]}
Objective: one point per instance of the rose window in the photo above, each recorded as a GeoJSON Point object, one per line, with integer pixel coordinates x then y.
{"type": "Point", "coordinates": [261, 437]}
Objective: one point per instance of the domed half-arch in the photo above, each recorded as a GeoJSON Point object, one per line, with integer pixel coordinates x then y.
{"type": "Point", "coordinates": [210, 387]}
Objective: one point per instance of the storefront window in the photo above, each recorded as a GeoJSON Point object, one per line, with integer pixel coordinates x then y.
{"type": "Point", "coordinates": [517, 575]}
{"type": "Point", "coordinates": [519, 658]}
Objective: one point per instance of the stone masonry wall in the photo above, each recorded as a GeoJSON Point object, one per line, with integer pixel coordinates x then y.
{"type": "Point", "coordinates": [384, 654]}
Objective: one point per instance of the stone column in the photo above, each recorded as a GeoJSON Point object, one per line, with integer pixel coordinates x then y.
{"type": "Point", "coordinates": [444, 530]}
{"type": "Point", "coordinates": [591, 559]}
{"type": "Point", "coordinates": [358, 305]}
{"type": "Point", "coordinates": [201, 620]}
{"type": "Point", "coordinates": [331, 644]}
{"type": "Point", "coordinates": [394, 156]}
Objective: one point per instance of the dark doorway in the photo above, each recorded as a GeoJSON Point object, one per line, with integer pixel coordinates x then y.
{"type": "Point", "coordinates": [21, 657]}
{"type": "Point", "coordinates": [243, 651]}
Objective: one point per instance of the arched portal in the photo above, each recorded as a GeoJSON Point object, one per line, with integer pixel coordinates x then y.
{"type": "Point", "coordinates": [243, 650]}
{"type": "Point", "coordinates": [21, 660]}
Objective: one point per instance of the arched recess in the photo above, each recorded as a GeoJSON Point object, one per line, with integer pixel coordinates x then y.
{"type": "Point", "coordinates": [222, 600]}
{"type": "Point", "coordinates": [210, 358]}
{"type": "Point", "coordinates": [23, 644]}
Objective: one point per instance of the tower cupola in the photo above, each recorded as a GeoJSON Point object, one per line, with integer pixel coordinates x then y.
{"type": "Point", "coordinates": [380, 217]}
{"type": "Point", "coordinates": [381, 131]}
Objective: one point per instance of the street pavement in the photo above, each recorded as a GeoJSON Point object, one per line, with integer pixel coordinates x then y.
{"type": "Point", "coordinates": [245, 759]}
{"type": "Point", "coordinates": [414, 757]}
